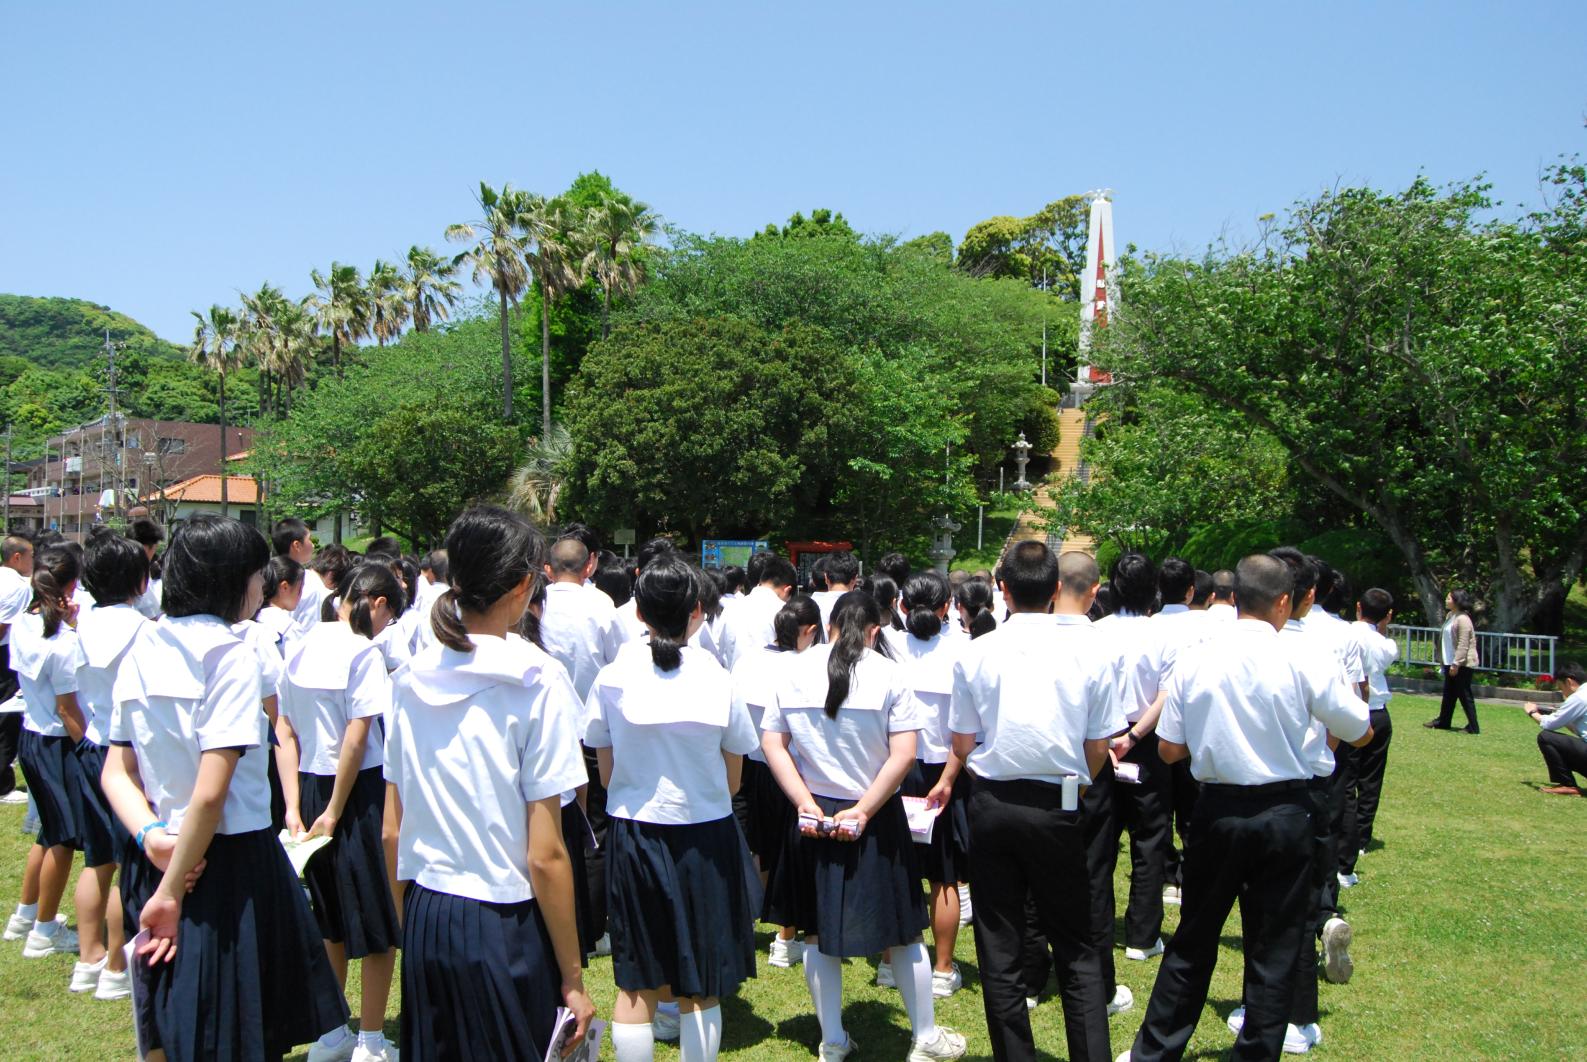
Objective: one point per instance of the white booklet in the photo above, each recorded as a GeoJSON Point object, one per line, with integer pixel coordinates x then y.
{"type": "Point", "coordinates": [300, 847]}
{"type": "Point", "coordinates": [561, 1032]}
{"type": "Point", "coordinates": [922, 820]}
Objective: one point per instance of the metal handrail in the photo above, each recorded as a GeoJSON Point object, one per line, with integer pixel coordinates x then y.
{"type": "Point", "coordinates": [1520, 654]}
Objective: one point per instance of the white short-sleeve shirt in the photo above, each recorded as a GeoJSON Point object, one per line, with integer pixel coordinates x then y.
{"type": "Point", "coordinates": [267, 647]}
{"type": "Point", "coordinates": [46, 669]}
{"type": "Point", "coordinates": [103, 637]}
{"type": "Point", "coordinates": [1245, 704]}
{"type": "Point", "coordinates": [755, 684]}
{"type": "Point", "coordinates": [16, 594]}
{"type": "Point", "coordinates": [190, 685]}
{"type": "Point", "coordinates": [1377, 652]}
{"type": "Point", "coordinates": [307, 615]}
{"type": "Point", "coordinates": [332, 678]}
{"type": "Point", "coordinates": [1038, 688]}
{"type": "Point", "coordinates": [749, 625]}
{"type": "Point", "coordinates": [667, 731]}
{"type": "Point", "coordinates": [928, 669]}
{"type": "Point", "coordinates": [1138, 645]}
{"type": "Point", "coordinates": [840, 757]}
{"type": "Point", "coordinates": [579, 627]}
{"type": "Point", "coordinates": [1341, 639]}
{"type": "Point", "coordinates": [474, 738]}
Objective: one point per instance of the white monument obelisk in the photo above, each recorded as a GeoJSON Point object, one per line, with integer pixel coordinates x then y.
{"type": "Point", "coordinates": [1098, 290]}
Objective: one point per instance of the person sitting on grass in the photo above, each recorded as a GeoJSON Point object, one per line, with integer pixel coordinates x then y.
{"type": "Point", "coordinates": [1563, 740]}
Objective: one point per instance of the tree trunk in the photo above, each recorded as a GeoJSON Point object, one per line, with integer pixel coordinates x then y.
{"type": "Point", "coordinates": [545, 363]}
{"type": "Point", "coordinates": [225, 506]}
{"type": "Point", "coordinates": [264, 391]}
{"type": "Point", "coordinates": [606, 310]}
{"type": "Point", "coordinates": [506, 363]}
{"type": "Point", "coordinates": [336, 354]}
{"type": "Point", "coordinates": [336, 535]}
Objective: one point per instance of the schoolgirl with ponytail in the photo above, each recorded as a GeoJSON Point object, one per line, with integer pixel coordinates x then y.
{"type": "Point", "coordinates": [482, 743]}
{"type": "Point", "coordinates": [284, 580]}
{"type": "Point", "coordinates": [973, 602]}
{"type": "Point", "coordinates": [669, 740]}
{"type": "Point", "coordinates": [839, 736]}
{"type": "Point", "coordinates": [334, 694]}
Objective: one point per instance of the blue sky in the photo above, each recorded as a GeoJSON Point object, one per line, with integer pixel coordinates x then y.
{"type": "Point", "coordinates": [160, 157]}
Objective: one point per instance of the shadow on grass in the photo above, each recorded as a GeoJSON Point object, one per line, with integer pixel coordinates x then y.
{"type": "Point", "coordinates": [742, 1027]}
{"type": "Point", "coordinates": [868, 1021]}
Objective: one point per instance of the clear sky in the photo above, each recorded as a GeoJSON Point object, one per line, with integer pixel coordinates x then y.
{"type": "Point", "coordinates": [158, 157]}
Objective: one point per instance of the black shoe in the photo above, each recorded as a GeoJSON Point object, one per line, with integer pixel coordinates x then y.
{"type": "Point", "coordinates": [1470, 730]}
{"type": "Point", "coordinates": [1434, 724]}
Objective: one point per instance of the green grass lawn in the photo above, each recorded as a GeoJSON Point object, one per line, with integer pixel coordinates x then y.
{"type": "Point", "coordinates": [1468, 920]}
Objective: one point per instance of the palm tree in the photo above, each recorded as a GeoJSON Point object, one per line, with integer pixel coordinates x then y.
{"type": "Point", "coordinates": [215, 348]}
{"type": "Point", "coordinates": [388, 309]}
{"type": "Point", "coordinates": [536, 484]}
{"type": "Point", "coordinates": [617, 230]}
{"type": "Point", "coordinates": [258, 337]}
{"type": "Point", "coordinates": [497, 258]}
{"type": "Point", "coordinates": [428, 287]}
{"type": "Point", "coordinates": [340, 308]}
{"type": "Point", "coordinates": [554, 227]}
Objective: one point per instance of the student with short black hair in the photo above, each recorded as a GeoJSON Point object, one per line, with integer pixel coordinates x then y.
{"type": "Point", "coordinates": [16, 569]}
{"type": "Point", "coordinates": [840, 571]}
{"type": "Point", "coordinates": [895, 566]}
{"type": "Point", "coordinates": [1563, 738]}
{"type": "Point", "coordinates": [749, 625]}
{"type": "Point", "coordinates": [1202, 595]}
{"type": "Point", "coordinates": [384, 548]}
{"type": "Point", "coordinates": [226, 916]}
{"type": "Point", "coordinates": [670, 738]}
{"type": "Point", "coordinates": [481, 744]}
{"type": "Point", "coordinates": [1364, 785]}
{"type": "Point", "coordinates": [148, 534]}
{"type": "Point", "coordinates": [291, 538]}
{"type": "Point", "coordinates": [839, 737]}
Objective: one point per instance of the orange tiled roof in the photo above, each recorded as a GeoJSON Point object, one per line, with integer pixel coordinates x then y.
{"type": "Point", "coordinates": [240, 490]}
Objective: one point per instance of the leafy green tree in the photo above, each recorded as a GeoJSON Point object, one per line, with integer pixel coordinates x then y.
{"type": "Point", "coordinates": [70, 333]}
{"type": "Point", "coordinates": [340, 308]}
{"type": "Point", "coordinates": [821, 222]}
{"type": "Point", "coordinates": [554, 251]}
{"type": "Point", "coordinates": [617, 231]}
{"type": "Point", "coordinates": [497, 259]}
{"type": "Point", "coordinates": [1046, 250]}
{"type": "Point", "coordinates": [428, 287]}
{"type": "Point", "coordinates": [388, 308]}
{"type": "Point", "coordinates": [1415, 357]}
{"type": "Point", "coordinates": [215, 339]}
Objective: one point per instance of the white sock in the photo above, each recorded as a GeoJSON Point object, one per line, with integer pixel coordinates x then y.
{"type": "Point", "coordinates": [30, 911]}
{"type": "Point", "coordinates": [372, 1040]}
{"type": "Point", "coordinates": [45, 929]}
{"type": "Point", "coordinates": [912, 971]}
{"type": "Point", "coordinates": [700, 1034]}
{"type": "Point", "coordinates": [335, 1037]}
{"type": "Point", "coordinates": [824, 975]}
{"type": "Point", "coordinates": [633, 1042]}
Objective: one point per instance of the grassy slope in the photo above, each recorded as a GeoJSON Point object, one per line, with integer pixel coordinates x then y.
{"type": "Point", "coordinates": [1468, 934]}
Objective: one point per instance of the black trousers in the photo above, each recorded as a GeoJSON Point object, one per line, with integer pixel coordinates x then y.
{"type": "Point", "coordinates": [1110, 808]}
{"type": "Point", "coordinates": [1457, 687]}
{"type": "Point", "coordinates": [595, 858]}
{"type": "Point", "coordinates": [1564, 754]}
{"type": "Point", "coordinates": [1252, 844]}
{"type": "Point", "coordinates": [1332, 839]}
{"type": "Point", "coordinates": [1183, 803]}
{"type": "Point", "coordinates": [10, 724]}
{"type": "Point", "coordinates": [1363, 788]}
{"type": "Point", "coordinates": [1022, 844]}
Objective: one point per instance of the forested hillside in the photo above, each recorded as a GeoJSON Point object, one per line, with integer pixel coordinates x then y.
{"type": "Point", "coordinates": [70, 333]}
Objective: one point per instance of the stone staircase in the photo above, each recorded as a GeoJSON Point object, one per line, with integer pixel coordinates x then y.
{"type": "Point", "coordinates": [1065, 463]}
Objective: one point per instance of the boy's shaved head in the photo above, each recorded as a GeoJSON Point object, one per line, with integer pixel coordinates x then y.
{"type": "Point", "coordinates": [1078, 572]}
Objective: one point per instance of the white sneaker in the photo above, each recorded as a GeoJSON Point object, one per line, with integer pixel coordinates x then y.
{"type": "Point", "coordinates": [946, 1044]}
{"type": "Point", "coordinates": [1125, 1057]}
{"type": "Point", "coordinates": [1337, 966]}
{"type": "Point", "coordinates": [85, 975]}
{"type": "Point", "coordinates": [604, 945]}
{"type": "Point", "coordinates": [1030, 1002]}
{"type": "Point", "coordinates": [1347, 881]}
{"type": "Point", "coordinates": [884, 975]}
{"type": "Point", "coordinates": [16, 796]}
{"type": "Point", "coordinates": [1172, 895]}
{"type": "Point", "coordinates": [386, 1053]}
{"type": "Point", "coordinates": [1312, 1032]}
{"type": "Point", "coordinates": [944, 985]}
{"type": "Point", "coordinates": [965, 910]}
{"type": "Point", "coordinates": [664, 1025]}
{"type": "Point", "coordinates": [786, 953]}
{"type": "Point", "coordinates": [341, 1052]}
{"type": "Point", "coordinates": [1123, 999]}
{"type": "Point", "coordinates": [17, 927]}
{"type": "Point", "coordinates": [1142, 954]}
{"type": "Point", "coordinates": [62, 942]}
{"type": "Point", "coordinates": [114, 984]}
{"type": "Point", "coordinates": [1295, 1041]}
{"type": "Point", "coordinates": [1236, 1020]}
{"type": "Point", "coordinates": [837, 1052]}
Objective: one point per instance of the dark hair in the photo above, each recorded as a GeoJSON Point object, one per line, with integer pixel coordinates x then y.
{"type": "Point", "coordinates": [895, 566]}
{"type": "Point", "coordinates": [367, 581]}
{"type": "Point", "coordinates": [281, 569]}
{"type": "Point", "coordinates": [816, 576]}
{"type": "Point", "coordinates": [434, 562]}
{"type": "Point", "coordinates": [115, 569]}
{"type": "Point", "coordinates": [146, 532]}
{"type": "Point", "coordinates": [1327, 578]}
{"type": "Point", "coordinates": [975, 601]}
{"type": "Point", "coordinates": [1461, 599]}
{"type": "Point", "coordinates": [615, 582]}
{"type": "Point", "coordinates": [286, 532]}
{"type": "Point", "coordinates": [665, 596]}
{"type": "Point", "coordinates": [406, 570]}
{"type": "Point", "coordinates": [1375, 604]}
{"type": "Point", "coordinates": [46, 537]}
{"type": "Point", "coordinates": [885, 591]}
{"type": "Point", "coordinates": [582, 533]}
{"type": "Point", "coordinates": [1260, 580]}
{"type": "Point", "coordinates": [529, 622]}
{"type": "Point", "coordinates": [1223, 585]}
{"type": "Point", "coordinates": [55, 569]}
{"type": "Point", "coordinates": [711, 584]}
{"type": "Point", "coordinates": [1573, 671]}
{"type": "Point", "coordinates": [12, 545]}
{"type": "Point", "coordinates": [924, 594]}
{"type": "Point", "coordinates": [384, 547]}
{"type": "Point", "coordinates": [843, 567]}
{"type": "Point", "coordinates": [333, 563]}
{"type": "Point", "coordinates": [755, 566]}
{"type": "Point", "coordinates": [1302, 569]}
{"type": "Point", "coordinates": [1134, 580]}
{"type": "Point", "coordinates": [491, 551]}
{"type": "Point", "coordinates": [653, 550]}
{"type": "Point", "coordinates": [733, 575]}
{"type": "Point", "coordinates": [797, 613]}
{"type": "Point", "coordinates": [1103, 605]}
{"type": "Point", "coordinates": [1030, 574]}
{"type": "Point", "coordinates": [779, 571]}
{"type": "Point", "coordinates": [208, 565]}
{"type": "Point", "coordinates": [1338, 597]}
{"type": "Point", "coordinates": [1203, 589]}
{"type": "Point", "coordinates": [1175, 579]}
{"type": "Point", "coordinates": [853, 614]}
{"type": "Point", "coordinates": [568, 556]}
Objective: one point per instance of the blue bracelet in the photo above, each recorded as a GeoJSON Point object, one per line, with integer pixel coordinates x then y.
{"type": "Point", "coordinates": [157, 825]}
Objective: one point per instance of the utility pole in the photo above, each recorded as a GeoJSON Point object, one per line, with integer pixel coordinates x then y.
{"type": "Point", "coordinates": [8, 481]}
{"type": "Point", "coordinates": [118, 481]}
{"type": "Point", "coordinates": [1044, 326]}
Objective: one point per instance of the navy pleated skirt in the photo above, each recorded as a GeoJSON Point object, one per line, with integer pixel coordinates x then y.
{"type": "Point", "coordinates": [580, 843]}
{"type": "Point", "coordinates": [346, 879]}
{"type": "Point", "coordinates": [54, 780]}
{"type": "Point", "coordinates": [250, 980]}
{"type": "Point", "coordinates": [767, 811]}
{"type": "Point", "coordinates": [681, 902]}
{"type": "Point", "coordinates": [945, 860]}
{"type": "Point", "coordinates": [859, 897]}
{"type": "Point", "coordinates": [479, 980]}
{"type": "Point", "coordinates": [98, 827]}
